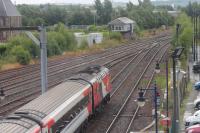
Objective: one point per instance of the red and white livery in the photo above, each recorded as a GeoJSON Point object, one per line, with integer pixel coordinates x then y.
{"type": "Point", "coordinates": [65, 108]}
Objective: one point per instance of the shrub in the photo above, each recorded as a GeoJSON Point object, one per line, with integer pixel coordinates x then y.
{"type": "Point", "coordinates": [22, 56]}
{"type": "Point", "coordinates": [84, 44]}
{"type": "Point", "coordinates": [26, 43]}
{"type": "Point", "coordinates": [94, 28]}
{"type": "Point", "coordinates": [53, 48]}
{"type": "Point", "coordinates": [3, 50]}
{"type": "Point", "coordinates": [116, 35]}
{"type": "Point", "coordinates": [69, 37]}
{"type": "Point", "coordinates": [60, 40]}
{"type": "Point", "coordinates": [106, 35]}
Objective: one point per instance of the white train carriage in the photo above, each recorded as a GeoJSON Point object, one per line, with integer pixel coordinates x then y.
{"type": "Point", "coordinates": [63, 109]}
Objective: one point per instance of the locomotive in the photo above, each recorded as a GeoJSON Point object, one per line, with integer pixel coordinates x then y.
{"type": "Point", "coordinates": [66, 108]}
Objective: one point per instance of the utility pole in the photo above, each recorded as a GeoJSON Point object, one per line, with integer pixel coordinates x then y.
{"type": "Point", "coordinates": [194, 41]}
{"type": "Point", "coordinates": [167, 88]}
{"type": "Point", "coordinates": [196, 34]}
{"type": "Point", "coordinates": [43, 56]}
{"type": "Point", "coordinates": [43, 50]}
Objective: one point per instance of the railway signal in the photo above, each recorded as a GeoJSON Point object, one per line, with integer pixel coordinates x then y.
{"type": "Point", "coordinates": [2, 94]}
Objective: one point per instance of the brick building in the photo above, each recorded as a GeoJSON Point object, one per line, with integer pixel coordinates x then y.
{"type": "Point", "coordinates": [9, 17]}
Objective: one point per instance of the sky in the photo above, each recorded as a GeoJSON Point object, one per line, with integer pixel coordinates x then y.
{"type": "Point", "coordinates": [63, 1]}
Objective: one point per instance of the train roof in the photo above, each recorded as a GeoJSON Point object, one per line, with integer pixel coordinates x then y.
{"type": "Point", "coordinates": [44, 105]}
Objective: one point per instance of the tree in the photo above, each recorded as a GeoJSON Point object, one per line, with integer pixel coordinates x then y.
{"type": "Point", "coordinates": [100, 9]}
{"type": "Point", "coordinates": [22, 56]}
{"type": "Point", "coordinates": [185, 34]}
{"type": "Point", "coordinates": [107, 11]}
{"type": "Point", "coordinates": [129, 6]}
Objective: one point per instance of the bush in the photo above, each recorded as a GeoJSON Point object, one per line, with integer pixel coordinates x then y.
{"type": "Point", "coordinates": [26, 43]}
{"type": "Point", "coordinates": [84, 44]}
{"type": "Point", "coordinates": [185, 33]}
{"type": "Point", "coordinates": [53, 48]}
{"type": "Point", "coordinates": [106, 35]}
{"type": "Point", "coordinates": [94, 28]}
{"type": "Point", "coordinates": [3, 50]}
{"type": "Point", "coordinates": [59, 38]}
{"type": "Point", "coordinates": [116, 35]}
{"type": "Point", "coordinates": [69, 37]}
{"type": "Point", "coordinates": [22, 56]}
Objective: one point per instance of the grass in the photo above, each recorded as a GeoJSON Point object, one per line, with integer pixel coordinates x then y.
{"type": "Point", "coordinates": [161, 83]}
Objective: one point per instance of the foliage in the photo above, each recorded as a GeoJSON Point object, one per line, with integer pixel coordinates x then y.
{"type": "Point", "coordinates": [191, 8]}
{"type": "Point", "coordinates": [99, 14]}
{"type": "Point", "coordinates": [165, 7]}
{"type": "Point", "coordinates": [60, 40]}
{"type": "Point", "coordinates": [116, 35]}
{"type": "Point", "coordinates": [104, 11]}
{"type": "Point", "coordinates": [53, 48]}
{"type": "Point", "coordinates": [185, 33]}
{"type": "Point", "coordinates": [84, 44]}
{"type": "Point", "coordinates": [81, 16]}
{"type": "Point", "coordinates": [93, 28]}
{"type": "Point", "coordinates": [106, 35]}
{"type": "Point", "coordinates": [146, 16]}
{"type": "Point", "coordinates": [3, 49]}
{"type": "Point", "coordinates": [34, 15]}
{"type": "Point", "coordinates": [22, 56]}
{"type": "Point", "coordinates": [26, 43]}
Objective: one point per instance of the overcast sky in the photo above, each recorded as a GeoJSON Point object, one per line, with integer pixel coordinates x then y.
{"type": "Point", "coordinates": [63, 1]}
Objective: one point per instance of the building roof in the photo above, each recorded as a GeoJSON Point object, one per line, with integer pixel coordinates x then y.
{"type": "Point", "coordinates": [8, 9]}
{"type": "Point", "coordinates": [122, 20]}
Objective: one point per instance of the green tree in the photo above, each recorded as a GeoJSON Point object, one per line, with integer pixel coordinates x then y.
{"type": "Point", "coordinates": [107, 11]}
{"type": "Point", "coordinates": [22, 56]}
{"type": "Point", "coordinates": [100, 10]}
{"type": "Point", "coordinates": [185, 34]}
{"type": "Point", "coordinates": [26, 43]}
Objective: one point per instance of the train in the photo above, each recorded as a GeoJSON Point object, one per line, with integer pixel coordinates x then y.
{"type": "Point", "coordinates": [66, 108]}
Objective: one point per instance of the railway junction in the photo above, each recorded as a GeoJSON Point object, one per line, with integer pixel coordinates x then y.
{"type": "Point", "coordinates": [131, 67]}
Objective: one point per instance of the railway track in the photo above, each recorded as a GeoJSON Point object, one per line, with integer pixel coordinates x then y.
{"type": "Point", "coordinates": [4, 75]}
{"type": "Point", "coordinates": [21, 92]}
{"type": "Point", "coordinates": [120, 96]}
{"type": "Point", "coordinates": [127, 114]}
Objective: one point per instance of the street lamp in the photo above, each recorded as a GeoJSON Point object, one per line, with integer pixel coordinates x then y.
{"type": "Point", "coordinates": [157, 69]}
{"type": "Point", "coordinates": [175, 55]}
{"type": "Point", "coordinates": [141, 100]}
{"type": "Point", "coordinates": [2, 94]}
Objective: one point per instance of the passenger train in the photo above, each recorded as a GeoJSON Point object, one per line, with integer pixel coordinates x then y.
{"type": "Point", "coordinates": [66, 108]}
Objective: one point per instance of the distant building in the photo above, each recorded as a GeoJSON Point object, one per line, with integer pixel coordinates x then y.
{"type": "Point", "coordinates": [91, 38]}
{"type": "Point", "coordinates": [173, 3]}
{"type": "Point", "coordinates": [123, 25]}
{"type": "Point", "coordinates": [9, 17]}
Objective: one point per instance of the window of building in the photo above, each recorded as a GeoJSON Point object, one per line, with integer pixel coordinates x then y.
{"type": "Point", "coordinates": [1, 22]}
{"type": "Point", "coordinates": [113, 28]}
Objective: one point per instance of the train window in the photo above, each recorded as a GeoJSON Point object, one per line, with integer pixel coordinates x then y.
{"type": "Point", "coordinates": [70, 115]}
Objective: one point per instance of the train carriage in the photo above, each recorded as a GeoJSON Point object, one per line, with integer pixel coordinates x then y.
{"type": "Point", "coordinates": [65, 108]}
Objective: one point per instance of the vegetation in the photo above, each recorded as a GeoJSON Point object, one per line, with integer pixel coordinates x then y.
{"type": "Point", "coordinates": [22, 49]}
{"type": "Point", "coordinates": [145, 14]}
{"type": "Point", "coordinates": [191, 8]}
{"type": "Point", "coordinates": [116, 35]}
{"type": "Point", "coordinates": [185, 33]}
{"type": "Point", "coordinates": [61, 39]}
{"type": "Point", "coordinates": [22, 56]}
